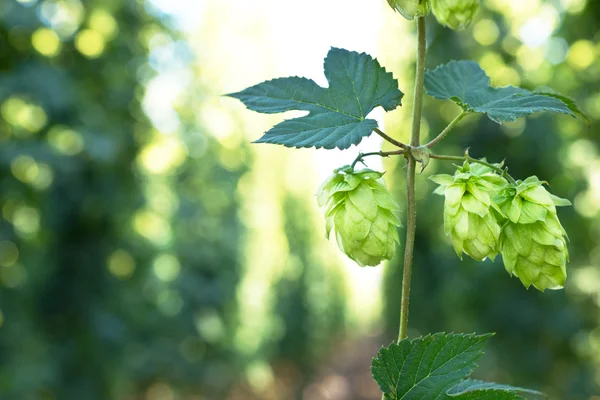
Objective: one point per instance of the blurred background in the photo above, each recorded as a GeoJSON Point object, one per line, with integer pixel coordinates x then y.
{"type": "Point", "coordinates": [149, 251]}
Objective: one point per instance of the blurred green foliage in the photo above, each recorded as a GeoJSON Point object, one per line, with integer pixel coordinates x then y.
{"type": "Point", "coordinates": [128, 232]}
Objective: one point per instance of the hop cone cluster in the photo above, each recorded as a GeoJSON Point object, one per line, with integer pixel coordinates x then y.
{"type": "Point", "coordinates": [360, 209]}
{"type": "Point", "coordinates": [455, 14]}
{"type": "Point", "coordinates": [533, 242]}
{"type": "Point", "coordinates": [411, 8]}
{"type": "Point", "coordinates": [469, 218]}
{"type": "Point", "coordinates": [485, 215]}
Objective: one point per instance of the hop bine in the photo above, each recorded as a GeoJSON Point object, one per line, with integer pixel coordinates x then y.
{"type": "Point", "coordinates": [455, 14]}
{"type": "Point", "coordinates": [470, 216]}
{"type": "Point", "coordinates": [533, 242]}
{"type": "Point", "coordinates": [360, 209]}
{"type": "Point", "coordinates": [411, 8]}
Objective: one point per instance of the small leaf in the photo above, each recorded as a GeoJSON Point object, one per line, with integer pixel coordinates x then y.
{"type": "Point", "coordinates": [465, 83]}
{"type": "Point", "coordinates": [442, 179]}
{"type": "Point", "coordinates": [476, 389]}
{"type": "Point", "coordinates": [427, 367]}
{"type": "Point", "coordinates": [337, 114]}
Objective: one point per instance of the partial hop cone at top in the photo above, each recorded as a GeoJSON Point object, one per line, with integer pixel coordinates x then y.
{"type": "Point", "coordinates": [470, 215]}
{"type": "Point", "coordinates": [455, 14]}
{"type": "Point", "coordinates": [533, 242]}
{"type": "Point", "coordinates": [411, 8]}
{"type": "Point", "coordinates": [361, 211]}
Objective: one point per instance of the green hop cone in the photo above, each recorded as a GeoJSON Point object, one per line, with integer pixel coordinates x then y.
{"type": "Point", "coordinates": [455, 14]}
{"type": "Point", "coordinates": [533, 242]}
{"type": "Point", "coordinates": [411, 8]}
{"type": "Point", "coordinates": [470, 216]}
{"type": "Point", "coordinates": [362, 212]}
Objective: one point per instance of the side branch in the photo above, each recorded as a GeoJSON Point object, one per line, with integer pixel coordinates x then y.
{"type": "Point", "coordinates": [361, 156]}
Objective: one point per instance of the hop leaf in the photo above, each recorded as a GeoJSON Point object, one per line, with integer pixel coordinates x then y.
{"type": "Point", "coordinates": [469, 218]}
{"type": "Point", "coordinates": [411, 8]}
{"type": "Point", "coordinates": [533, 242]}
{"type": "Point", "coordinates": [455, 14]}
{"type": "Point", "coordinates": [362, 211]}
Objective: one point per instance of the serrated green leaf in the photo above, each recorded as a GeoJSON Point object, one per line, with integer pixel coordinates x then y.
{"type": "Point", "coordinates": [487, 395]}
{"type": "Point", "coordinates": [427, 367]}
{"type": "Point", "coordinates": [465, 83]}
{"type": "Point", "coordinates": [573, 106]}
{"type": "Point", "coordinates": [337, 114]}
{"type": "Point", "coordinates": [476, 389]}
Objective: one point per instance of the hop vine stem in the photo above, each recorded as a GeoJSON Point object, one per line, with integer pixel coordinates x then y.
{"type": "Point", "coordinates": [415, 141]}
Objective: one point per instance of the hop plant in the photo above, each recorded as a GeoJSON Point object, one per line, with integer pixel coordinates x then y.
{"type": "Point", "coordinates": [469, 215]}
{"type": "Point", "coordinates": [411, 8]}
{"type": "Point", "coordinates": [533, 242]}
{"type": "Point", "coordinates": [455, 14]}
{"type": "Point", "coordinates": [362, 212]}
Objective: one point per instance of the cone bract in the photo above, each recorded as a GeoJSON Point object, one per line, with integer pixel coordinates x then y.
{"type": "Point", "coordinates": [360, 209]}
{"type": "Point", "coordinates": [455, 14]}
{"type": "Point", "coordinates": [411, 8]}
{"type": "Point", "coordinates": [469, 216]}
{"type": "Point", "coordinates": [533, 242]}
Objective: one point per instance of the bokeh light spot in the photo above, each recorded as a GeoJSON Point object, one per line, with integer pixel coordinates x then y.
{"type": "Point", "coordinates": [556, 50]}
{"type": "Point", "coordinates": [163, 155]}
{"type": "Point", "coordinates": [121, 264]}
{"type": "Point", "coordinates": [574, 6]}
{"type": "Point", "coordinates": [260, 375]}
{"type": "Point", "coordinates": [90, 43]}
{"type": "Point", "coordinates": [169, 302]}
{"type": "Point", "coordinates": [65, 140]}
{"type": "Point", "coordinates": [24, 168]}
{"type": "Point", "coordinates": [26, 221]}
{"type": "Point", "coordinates": [13, 277]}
{"type": "Point", "coordinates": [166, 267]}
{"type": "Point", "coordinates": [103, 22]}
{"type": "Point", "coordinates": [9, 253]}
{"type": "Point", "coordinates": [21, 114]}
{"type": "Point", "coordinates": [152, 226]}
{"type": "Point", "coordinates": [486, 32]}
{"type": "Point", "coordinates": [530, 59]}
{"type": "Point", "coordinates": [581, 54]}
{"type": "Point", "coordinates": [210, 326]}
{"type": "Point", "coordinates": [46, 42]}
{"type": "Point", "coordinates": [63, 16]}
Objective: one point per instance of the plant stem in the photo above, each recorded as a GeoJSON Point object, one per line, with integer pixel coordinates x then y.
{"type": "Point", "coordinates": [390, 139]}
{"type": "Point", "coordinates": [415, 139]}
{"type": "Point", "coordinates": [468, 158]}
{"type": "Point", "coordinates": [443, 134]}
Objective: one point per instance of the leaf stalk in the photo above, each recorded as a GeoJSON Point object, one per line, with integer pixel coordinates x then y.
{"type": "Point", "coordinates": [447, 130]}
{"type": "Point", "coordinates": [391, 139]}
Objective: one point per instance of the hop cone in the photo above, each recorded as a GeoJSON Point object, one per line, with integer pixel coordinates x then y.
{"type": "Point", "coordinates": [469, 215]}
{"type": "Point", "coordinates": [411, 8]}
{"type": "Point", "coordinates": [359, 207]}
{"type": "Point", "coordinates": [455, 14]}
{"type": "Point", "coordinates": [533, 242]}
